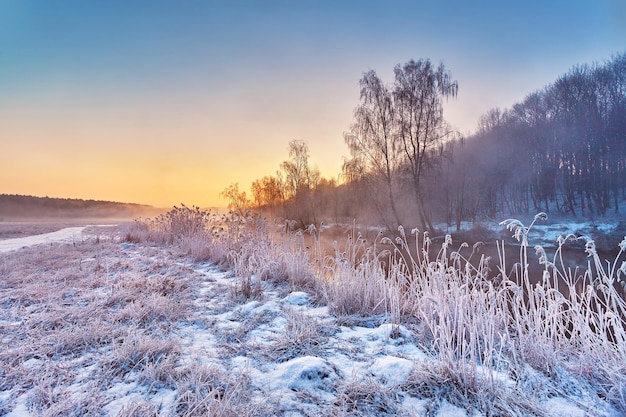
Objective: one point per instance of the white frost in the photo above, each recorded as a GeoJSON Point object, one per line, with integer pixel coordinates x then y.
{"type": "Point", "coordinates": [560, 407]}
{"type": "Point", "coordinates": [392, 370]}
{"type": "Point", "coordinates": [68, 234]}
{"type": "Point", "coordinates": [306, 374]}
{"type": "Point", "coordinates": [298, 298]}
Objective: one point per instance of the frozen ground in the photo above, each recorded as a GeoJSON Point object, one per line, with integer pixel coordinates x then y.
{"type": "Point", "coordinates": [103, 327]}
{"type": "Point", "coordinates": [66, 234]}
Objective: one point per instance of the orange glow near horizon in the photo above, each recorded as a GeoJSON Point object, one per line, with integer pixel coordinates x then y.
{"type": "Point", "coordinates": [155, 157]}
{"type": "Point", "coordinates": [163, 104]}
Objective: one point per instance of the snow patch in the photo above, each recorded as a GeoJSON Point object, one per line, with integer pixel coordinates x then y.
{"type": "Point", "coordinates": [448, 410]}
{"type": "Point", "coordinates": [166, 398]}
{"type": "Point", "coordinates": [560, 407]}
{"type": "Point", "coordinates": [308, 374]}
{"type": "Point", "coordinates": [391, 370]}
{"type": "Point", "coordinates": [32, 363]}
{"type": "Point", "coordinates": [297, 298]}
{"type": "Point", "coordinates": [20, 409]}
{"type": "Point", "coordinates": [415, 406]}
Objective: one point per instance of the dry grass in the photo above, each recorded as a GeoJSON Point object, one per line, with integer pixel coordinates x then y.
{"type": "Point", "coordinates": [76, 318]}
{"type": "Point", "coordinates": [302, 336]}
{"type": "Point", "coordinates": [476, 329]}
{"type": "Point", "coordinates": [139, 409]}
{"type": "Point", "coordinates": [364, 397]}
{"type": "Point", "coordinates": [472, 321]}
{"type": "Point", "coordinates": [211, 391]}
{"type": "Point", "coordinates": [487, 396]}
{"type": "Point", "coordinates": [137, 353]}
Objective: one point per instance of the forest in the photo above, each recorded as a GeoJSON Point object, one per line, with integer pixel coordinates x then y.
{"type": "Point", "coordinates": [23, 207]}
{"type": "Point", "coordinates": [562, 150]}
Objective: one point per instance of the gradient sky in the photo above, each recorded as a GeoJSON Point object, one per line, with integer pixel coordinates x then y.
{"type": "Point", "coordinates": [166, 102]}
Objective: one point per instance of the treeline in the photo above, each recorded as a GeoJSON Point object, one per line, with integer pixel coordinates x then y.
{"type": "Point", "coordinates": [562, 149]}
{"type": "Point", "coordinates": [296, 192]}
{"type": "Point", "coordinates": [19, 207]}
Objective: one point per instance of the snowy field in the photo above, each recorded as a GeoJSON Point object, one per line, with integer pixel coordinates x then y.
{"type": "Point", "coordinates": [66, 234]}
{"type": "Point", "coordinates": [94, 325]}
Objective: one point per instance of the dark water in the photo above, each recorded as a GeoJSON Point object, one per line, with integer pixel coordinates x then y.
{"type": "Point", "coordinates": [572, 260]}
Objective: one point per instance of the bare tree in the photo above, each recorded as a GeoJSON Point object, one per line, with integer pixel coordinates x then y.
{"type": "Point", "coordinates": [419, 91]}
{"type": "Point", "coordinates": [237, 200]}
{"type": "Point", "coordinates": [300, 181]}
{"type": "Point", "coordinates": [267, 193]}
{"type": "Point", "coordinates": [374, 149]}
{"type": "Point", "coordinates": [300, 177]}
{"type": "Point", "coordinates": [567, 143]}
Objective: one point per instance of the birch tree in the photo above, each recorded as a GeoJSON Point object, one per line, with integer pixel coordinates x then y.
{"type": "Point", "coordinates": [374, 148]}
{"type": "Point", "coordinates": [419, 92]}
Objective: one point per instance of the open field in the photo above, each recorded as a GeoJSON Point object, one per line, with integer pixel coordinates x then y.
{"type": "Point", "coordinates": [11, 230]}
{"type": "Point", "coordinates": [227, 319]}
{"type": "Point", "coordinates": [21, 229]}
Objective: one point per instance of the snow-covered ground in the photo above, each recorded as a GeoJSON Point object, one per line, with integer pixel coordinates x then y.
{"type": "Point", "coordinates": [204, 349]}
{"type": "Point", "coordinates": [66, 234]}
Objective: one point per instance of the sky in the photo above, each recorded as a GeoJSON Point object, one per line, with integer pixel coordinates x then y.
{"type": "Point", "coordinates": [163, 103]}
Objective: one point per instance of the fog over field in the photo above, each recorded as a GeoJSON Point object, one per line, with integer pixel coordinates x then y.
{"type": "Point", "coordinates": [29, 209]}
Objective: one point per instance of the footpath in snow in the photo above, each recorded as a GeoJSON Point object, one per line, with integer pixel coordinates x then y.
{"type": "Point", "coordinates": [68, 234]}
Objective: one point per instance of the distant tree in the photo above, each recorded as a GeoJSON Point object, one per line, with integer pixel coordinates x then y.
{"type": "Point", "coordinates": [267, 194]}
{"type": "Point", "coordinates": [300, 179]}
{"type": "Point", "coordinates": [237, 200]}
{"type": "Point", "coordinates": [562, 148]}
{"type": "Point", "coordinates": [457, 184]}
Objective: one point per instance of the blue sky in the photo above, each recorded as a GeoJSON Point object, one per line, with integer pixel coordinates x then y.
{"type": "Point", "coordinates": [167, 102]}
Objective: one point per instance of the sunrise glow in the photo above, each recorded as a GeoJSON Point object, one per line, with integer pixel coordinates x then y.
{"type": "Point", "coordinates": [160, 103]}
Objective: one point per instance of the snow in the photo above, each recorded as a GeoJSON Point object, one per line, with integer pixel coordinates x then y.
{"type": "Point", "coordinates": [449, 410]}
{"type": "Point", "coordinates": [543, 232]}
{"type": "Point", "coordinates": [20, 409]}
{"type": "Point", "coordinates": [307, 374]}
{"type": "Point", "coordinates": [166, 399]}
{"type": "Point", "coordinates": [297, 298]}
{"type": "Point", "coordinates": [69, 234]}
{"type": "Point", "coordinates": [124, 393]}
{"type": "Point", "coordinates": [384, 354]}
{"type": "Point", "coordinates": [559, 407]}
{"type": "Point", "coordinates": [547, 234]}
{"type": "Point", "coordinates": [31, 363]}
{"type": "Point", "coordinates": [392, 370]}
{"type": "Point", "coordinates": [415, 406]}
